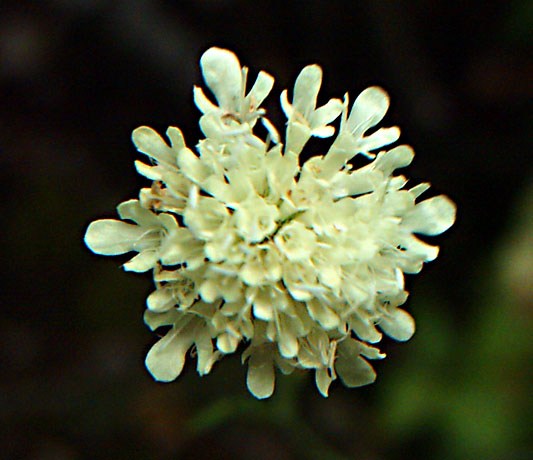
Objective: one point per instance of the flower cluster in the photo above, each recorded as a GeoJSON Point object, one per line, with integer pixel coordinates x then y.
{"type": "Point", "coordinates": [303, 263]}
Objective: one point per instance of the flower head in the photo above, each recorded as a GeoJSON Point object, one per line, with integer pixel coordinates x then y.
{"type": "Point", "coordinates": [304, 264]}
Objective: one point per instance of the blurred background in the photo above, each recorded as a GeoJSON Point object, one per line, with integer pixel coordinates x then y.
{"type": "Point", "coordinates": [77, 76]}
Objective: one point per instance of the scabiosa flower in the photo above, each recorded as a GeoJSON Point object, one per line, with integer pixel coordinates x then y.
{"type": "Point", "coordinates": [303, 263]}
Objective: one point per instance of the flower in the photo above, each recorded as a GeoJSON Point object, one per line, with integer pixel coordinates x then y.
{"type": "Point", "coordinates": [304, 264]}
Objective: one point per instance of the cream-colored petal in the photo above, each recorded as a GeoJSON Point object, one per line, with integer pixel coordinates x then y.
{"type": "Point", "coordinates": [166, 358]}
{"type": "Point", "coordinates": [398, 157]}
{"type": "Point", "coordinates": [326, 114]}
{"type": "Point", "coordinates": [192, 166]}
{"type": "Point", "coordinates": [321, 313]}
{"type": "Point", "coordinates": [297, 136]}
{"type": "Point", "coordinates": [355, 372]}
{"type": "Point", "coordinates": [202, 102]}
{"type": "Point", "coordinates": [112, 237]}
{"type": "Point", "coordinates": [306, 90]}
{"type": "Point", "coordinates": [222, 74]}
{"type": "Point", "coordinates": [133, 210]}
{"type": "Point", "coordinates": [143, 261]}
{"type": "Point", "coordinates": [260, 90]}
{"type": "Point", "coordinates": [160, 300]}
{"type": "Point", "coordinates": [323, 380]}
{"type": "Point", "coordinates": [150, 172]}
{"type": "Point", "coordinates": [417, 190]}
{"type": "Point", "coordinates": [260, 378]}
{"type": "Point", "coordinates": [152, 144]}
{"type": "Point", "coordinates": [287, 341]}
{"type": "Point", "coordinates": [368, 110]}
{"type": "Point", "coordinates": [176, 138]}
{"type": "Point", "coordinates": [286, 106]}
{"type": "Point", "coordinates": [323, 131]}
{"type": "Point", "coordinates": [399, 325]}
{"type": "Point", "coordinates": [154, 320]}
{"type": "Point", "coordinates": [432, 216]}
{"type": "Point", "coordinates": [209, 291]}
{"type": "Point", "coordinates": [274, 135]}
{"type": "Point", "coordinates": [227, 343]}
{"type": "Point", "coordinates": [204, 349]}
{"type": "Point", "coordinates": [364, 328]}
{"type": "Point", "coordinates": [380, 138]}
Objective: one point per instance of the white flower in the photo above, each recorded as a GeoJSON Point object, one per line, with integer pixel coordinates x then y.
{"type": "Point", "coordinates": [304, 263]}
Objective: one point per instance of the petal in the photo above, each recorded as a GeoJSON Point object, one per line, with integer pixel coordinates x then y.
{"type": "Point", "coordinates": [150, 172]}
{"type": "Point", "coordinates": [209, 291]}
{"type": "Point", "coordinates": [398, 203]}
{"type": "Point", "coordinates": [222, 74]}
{"type": "Point", "coordinates": [324, 315]}
{"type": "Point", "coordinates": [274, 135]}
{"type": "Point", "coordinates": [368, 110]}
{"type": "Point", "coordinates": [177, 245]}
{"type": "Point", "coordinates": [417, 249]}
{"type": "Point", "coordinates": [262, 307]}
{"type": "Point", "coordinates": [286, 366]}
{"type": "Point", "coordinates": [252, 273]}
{"type": "Point", "coordinates": [166, 358]}
{"type": "Point", "coordinates": [308, 359]}
{"type": "Point", "coordinates": [323, 131]}
{"type": "Point", "coordinates": [353, 370]}
{"type": "Point", "coordinates": [417, 190]}
{"type": "Point", "coordinates": [204, 348]}
{"type": "Point", "coordinates": [306, 90]}
{"type": "Point", "coordinates": [285, 104]}
{"type": "Point", "coordinates": [176, 138]}
{"type": "Point", "coordinates": [364, 328]}
{"type": "Point", "coordinates": [133, 210]}
{"type": "Point", "coordinates": [380, 138]}
{"type": "Point", "coordinates": [355, 373]}
{"type": "Point", "coordinates": [227, 343]}
{"type": "Point", "coordinates": [260, 90]}
{"type": "Point", "coordinates": [395, 158]}
{"type": "Point", "coordinates": [361, 181]}
{"type": "Point", "coordinates": [152, 144]}
{"type": "Point", "coordinates": [323, 380]}
{"type": "Point", "coordinates": [111, 237]}
{"type": "Point", "coordinates": [326, 114]}
{"type": "Point", "coordinates": [297, 136]}
{"type": "Point", "coordinates": [154, 320]}
{"type": "Point", "coordinates": [143, 261]}
{"type": "Point", "coordinates": [160, 300]}
{"type": "Point", "coordinates": [192, 166]}
{"type": "Point", "coordinates": [287, 341]}
{"type": "Point", "coordinates": [202, 102]}
{"type": "Point", "coordinates": [371, 352]}
{"type": "Point", "coordinates": [399, 325]}
{"type": "Point", "coordinates": [432, 216]}
{"type": "Point", "coordinates": [260, 379]}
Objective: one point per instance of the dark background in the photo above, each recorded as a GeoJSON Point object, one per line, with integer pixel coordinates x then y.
{"type": "Point", "coordinates": [76, 77]}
